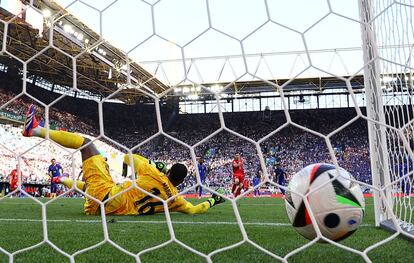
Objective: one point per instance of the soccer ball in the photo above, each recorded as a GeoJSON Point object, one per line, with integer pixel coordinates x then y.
{"type": "Point", "coordinates": [338, 206]}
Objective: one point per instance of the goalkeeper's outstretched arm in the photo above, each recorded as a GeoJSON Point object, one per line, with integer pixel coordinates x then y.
{"type": "Point", "coordinates": [183, 206]}
{"type": "Point", "coordinates": [138, 161]}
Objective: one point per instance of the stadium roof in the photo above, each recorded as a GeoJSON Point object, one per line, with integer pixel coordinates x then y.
{"type": "Point", "coordinates": [298, 84]}
{"type": "Point", "coordinates": [101, 67]}
{"type": "Point", "coordinates": [100, 70]}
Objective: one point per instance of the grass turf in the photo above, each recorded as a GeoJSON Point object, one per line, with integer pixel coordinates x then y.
{"type": "Point", "coordinates": [265, 220]}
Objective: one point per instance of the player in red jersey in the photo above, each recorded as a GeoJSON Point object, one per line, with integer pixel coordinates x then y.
{"type": "Point", "coordinates": [14, 179]}
{"type": "Point", "coordinates": [238, 175]}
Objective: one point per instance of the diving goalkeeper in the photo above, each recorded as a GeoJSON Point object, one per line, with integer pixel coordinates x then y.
{"type": "Point", "coordinates": [99, 184]}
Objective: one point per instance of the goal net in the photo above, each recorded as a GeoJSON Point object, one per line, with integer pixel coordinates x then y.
{"type": "Point", "coordinates": [394, 43]}
{"type": "Point", "coordinates": [298, 73]}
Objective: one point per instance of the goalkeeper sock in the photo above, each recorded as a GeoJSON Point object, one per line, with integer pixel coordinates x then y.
{"type": "Point", "coordinates": [66, 139]}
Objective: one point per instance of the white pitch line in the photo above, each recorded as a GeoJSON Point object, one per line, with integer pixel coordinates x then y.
{"type": "Point", "coordinates": [152, 222]}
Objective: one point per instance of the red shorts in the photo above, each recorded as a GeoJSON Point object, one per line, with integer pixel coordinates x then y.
{"type": "Point", "coordinates": [240, 177]}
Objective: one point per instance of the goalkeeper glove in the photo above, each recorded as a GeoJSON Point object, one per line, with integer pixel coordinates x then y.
{"type": "Point", "coordinates": [162, 167]}
{"type": "Point", "coordinates": [215, 200]}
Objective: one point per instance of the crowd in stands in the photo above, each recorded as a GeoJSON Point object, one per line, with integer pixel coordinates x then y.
{"type": "Point", "coordinates": [291, 148]}
{"type": "Point", "coordinates": [37, 154]}
{"type": "Point", "coordinates": [61, 119]}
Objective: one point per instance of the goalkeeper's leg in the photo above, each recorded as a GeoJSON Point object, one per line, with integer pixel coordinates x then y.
{"type": "Point", "coordinates": [66, 139]}
{"type": "Point", "coordinates": [98, 182]}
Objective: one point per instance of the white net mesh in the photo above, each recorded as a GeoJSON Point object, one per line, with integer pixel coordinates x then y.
{"type": "Point", "coordinates": [395, 33]}
{"type": "Point", "coordinates": [179, 63]}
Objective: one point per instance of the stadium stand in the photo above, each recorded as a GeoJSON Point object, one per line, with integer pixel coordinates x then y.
{"type": "Point", "coordinates": [290, 147]}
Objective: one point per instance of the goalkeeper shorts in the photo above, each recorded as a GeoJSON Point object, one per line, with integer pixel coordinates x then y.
{"type": "Point", "coordinates": [98, 182]}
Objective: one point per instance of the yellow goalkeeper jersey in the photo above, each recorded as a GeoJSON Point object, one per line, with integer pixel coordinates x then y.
{"type": "Point", "coordinates": [136, 202]}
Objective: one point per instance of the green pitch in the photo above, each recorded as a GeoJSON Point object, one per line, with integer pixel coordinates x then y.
{"type": "Point", "coordinates": [265, 221]}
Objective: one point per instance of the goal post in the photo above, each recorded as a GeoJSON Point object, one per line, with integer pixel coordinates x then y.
{"type": "Point", "coordinates": [375, 112]}
{"type": "Point", "coordinates": [387, 41]}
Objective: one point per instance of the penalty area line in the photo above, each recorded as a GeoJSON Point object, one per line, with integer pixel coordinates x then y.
{"type": "Point", "coordinates": [276, 224]}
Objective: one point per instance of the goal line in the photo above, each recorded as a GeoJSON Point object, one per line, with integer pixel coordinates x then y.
{"type": "Point", "coordinates": [275, 224]}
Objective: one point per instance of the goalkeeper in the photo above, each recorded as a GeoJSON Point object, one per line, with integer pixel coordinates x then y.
{"type": "Point", "coordinates": [99, 184]}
